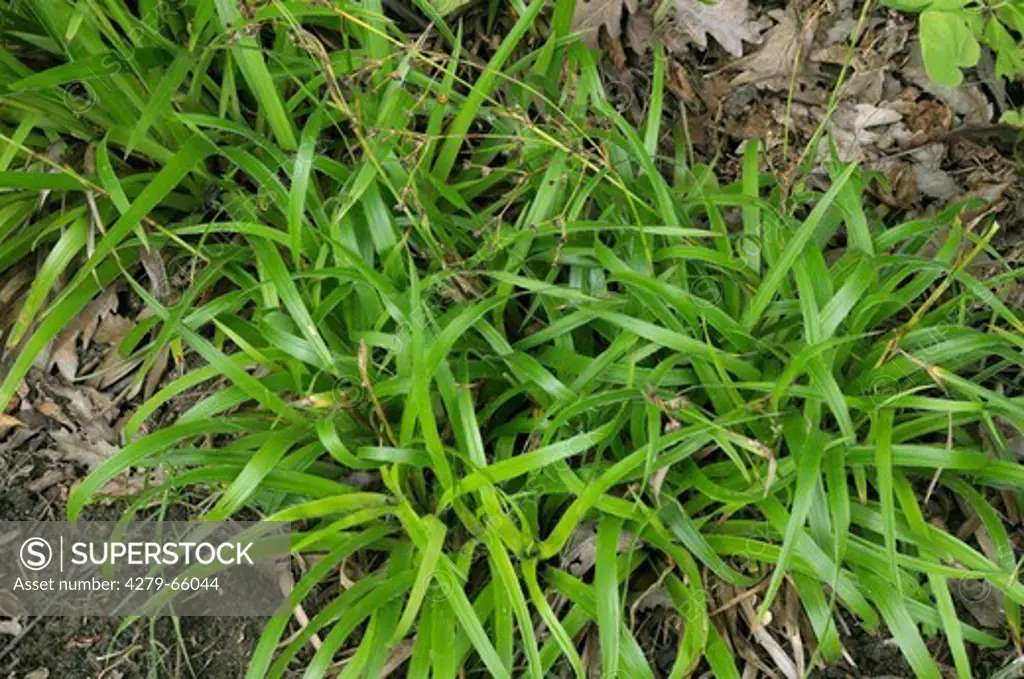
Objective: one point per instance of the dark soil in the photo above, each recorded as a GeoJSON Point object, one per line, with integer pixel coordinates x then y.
{"type": "Point", "coordinates": [878, 657]}
{"type": "Point", "coordinates": [88, 648]}
{"type": "Point", "coordinates": [874, 658]}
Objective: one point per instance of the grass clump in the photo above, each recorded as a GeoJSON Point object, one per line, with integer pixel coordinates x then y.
{"type": "Point", "coordinates": [483, 294]}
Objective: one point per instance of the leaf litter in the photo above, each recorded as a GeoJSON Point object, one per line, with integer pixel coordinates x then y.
{"type": "Point", "coordinates": [727, 21]}
{"type": "Point", "coordinates": [67, 414]}
{"type": "Point", "coordinates": [745, 71]}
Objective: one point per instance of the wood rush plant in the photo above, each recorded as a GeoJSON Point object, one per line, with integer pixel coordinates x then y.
{"type": "Point", "coordinates": [505, 362]}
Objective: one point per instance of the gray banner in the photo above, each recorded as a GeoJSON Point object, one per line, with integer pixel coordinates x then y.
{"type": "Point", "coordinates": [143, 568]}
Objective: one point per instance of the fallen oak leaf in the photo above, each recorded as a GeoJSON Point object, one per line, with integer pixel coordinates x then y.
{"type": "Point", "coordinates": [90, 454]}
{"type": "Point", "coordinates": [95, 312]}
{"type": "Point", "coordinates": [932, 180]}
{"type": "Point", "coordinates": [727, 21]}
{"type": "Point", "coordinates": [113, 328]}
{"type": "Point", "coordinates": [591, 15]}
{"type": "Point", "coordinates": [64, 352]}
{"type": "Point", "coordinates": [785, 43]}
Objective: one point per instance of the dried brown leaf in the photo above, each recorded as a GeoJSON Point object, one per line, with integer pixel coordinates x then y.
{"type": "Point", "coordinates": [153, 263]}
{"type": "Point", "coordinates": [591, 16]}
{"type": "Point", "coordinates": [156, 372]}
{"type": "Point", "coordinates": [113, 328]}
{"type": "Point", "coordinates": [782, 661]}
{"type": "Point", "coordinates": [982, 600]}
{"type": "Point", "coordinates": [396, 656]}
{"type": "Point", "coordinates": [50, 478]}
{"type": "Point", "coordinates": [81, 642]}
{"type": "Point", "coordinates": [580, 554]}
{"type": "Point", "coordinates": [48, 408]}
{"type": "Point", "coordinates": [65, 354]}
{"type": "Point", "coordinates": [127, 485]}
{"type": "Point", "coordinates": [931, 179]}
{"type": "Point", "coordinates": [113, 368]}
{"type": "Point", "coordinates": [862, 131]}
{"type": "Point", "coordinates": [64, 350]}
{"type": "Point", "coordinates": [784, 46]}
{"type": "Point", "coordinates": [640, 31]}
{"type": "Point", "coordinates": [82, 409]}
{"type": "Point", "coordinates": [658, 479]}
{"type": "Point", "coordinates": [72, 448]}
{"type": "Point", "coordinates": [727, 21]}
{"type": "Point", "coordinates": [8, 421]}
{"type": "Point", "coordinates": [95, 312]}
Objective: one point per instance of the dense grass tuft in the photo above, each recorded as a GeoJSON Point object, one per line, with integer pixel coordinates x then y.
{"type": "Point", "coordinates": [515, 368]}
